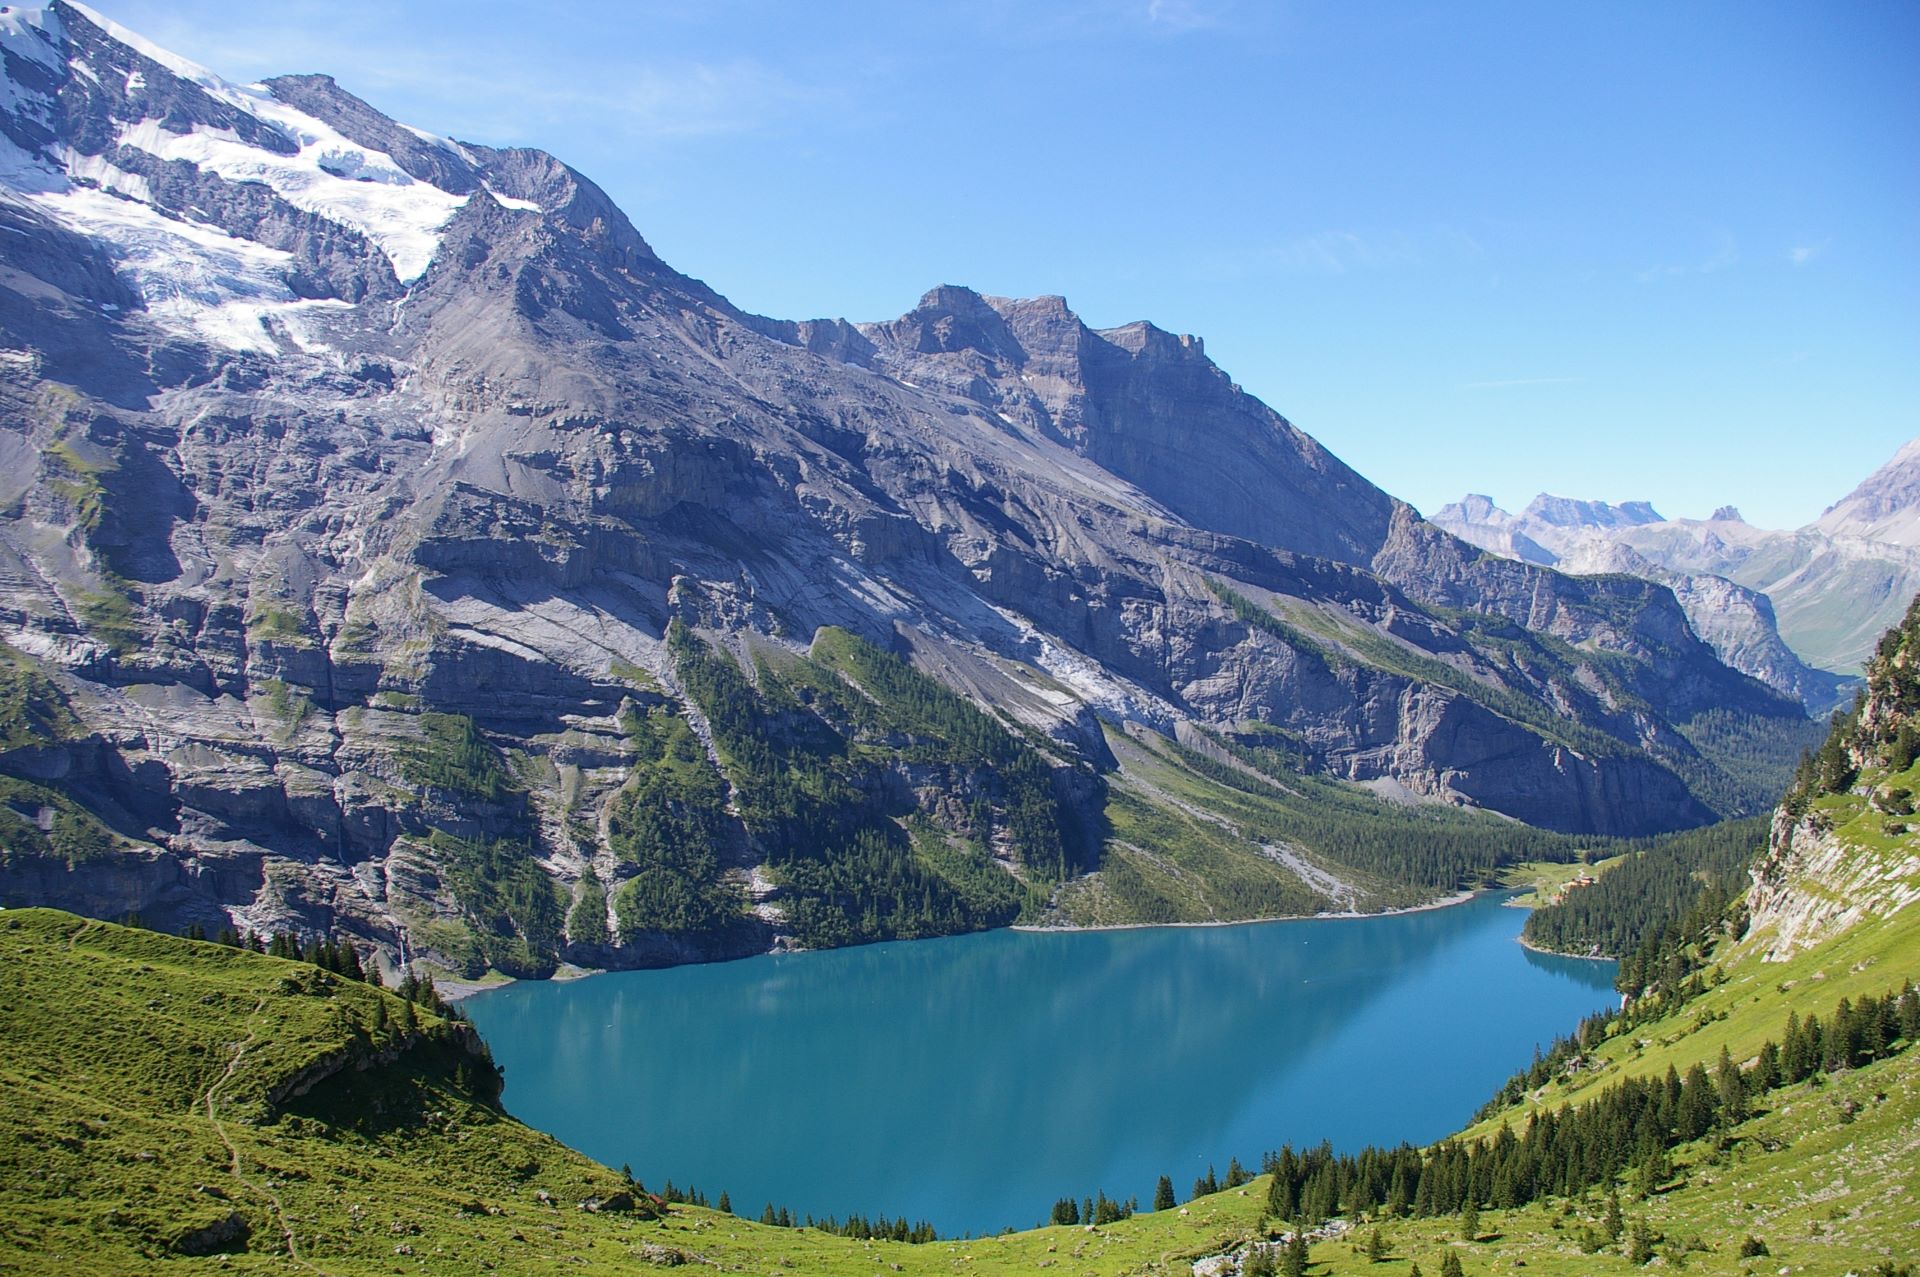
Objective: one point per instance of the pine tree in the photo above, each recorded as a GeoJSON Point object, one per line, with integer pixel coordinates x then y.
{"type": "Point", "coordinates": [1281, 1202]}
{"type": "Point", "coordinates": [1469, 1220]}
{"type": "Point", "coordinates": [1295, 1263]}
{"type": "Point", "coordinates": [1639, 1243]}
{"type": "Point", "coordinates": [1615, 1223]}
{"type": "Point", "coordinates": [1163, 1198]}
{"type": "Point", "coordinates": [1450, 1266]}
{"type": "Point", "coordinates": [725, 1204]}
{"type": "Point", "coordinates": [1693, 1116]}
{"type": "Point", "coordinates": [1731, 1084]}
{"type": "Point", "coordinates": [1652, 1171]}
{"type": "Point", "coordinates": [1376, 1247]}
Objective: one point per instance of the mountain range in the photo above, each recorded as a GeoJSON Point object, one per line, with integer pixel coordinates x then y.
{"type": "Point", "coordinates": [391, 542]}
{"type": "Point", "coordinates": [1792, 608]}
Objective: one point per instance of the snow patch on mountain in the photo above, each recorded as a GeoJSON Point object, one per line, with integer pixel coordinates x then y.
{"type": "Point", "coordinates": [330, 175]}
{"type": "Point", "coordinates": [28, 33]}
{"type": "Point", "coordinates": [195, 279]}
{"type": "Point", "coordinates": [508, 201]}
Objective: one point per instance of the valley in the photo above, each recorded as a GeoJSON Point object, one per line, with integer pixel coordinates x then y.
{"type": "Point", "coordinates": [977, 790]}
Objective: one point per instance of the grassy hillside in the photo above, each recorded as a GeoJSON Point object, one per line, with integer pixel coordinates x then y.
{"type": "Point", "coordinates": [146, 1109]}
{"type": "Point", "coordinates": [148, 1106]}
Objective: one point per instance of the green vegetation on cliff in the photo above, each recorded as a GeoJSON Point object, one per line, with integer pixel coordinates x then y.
{"type": "Point", "coordinates": [511, 906]}
{"type": "Point", "coordinates": [450, 753]}
{"type": "Point", "coordinates": [670, 819]}
{"type": "Point", "coordinates": [32, 710]}
{"type": "Point", "coordinates": [826, 754]}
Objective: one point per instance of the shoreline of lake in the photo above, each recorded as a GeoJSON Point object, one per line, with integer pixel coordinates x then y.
{"type": "Point", "coordinates": [454, 990]}
{"type": "Point", "coordinates": [1035, 1065]}
{"type": "Point", "coordinates": [1556, 953]}
{"type": "Point", "coordinates": [1446, 902]}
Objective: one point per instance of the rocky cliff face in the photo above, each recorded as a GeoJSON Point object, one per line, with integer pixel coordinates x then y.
{"type": "Point", "coordinates": [376, 507]}
{"type": "Point", "coordinates": [1736, 622]}
{"type": "Point", "coordinates": [1845, 843]}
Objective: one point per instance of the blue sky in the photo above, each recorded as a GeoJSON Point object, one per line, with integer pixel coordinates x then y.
{"type": "Point", "coordinates": [1623, 251]}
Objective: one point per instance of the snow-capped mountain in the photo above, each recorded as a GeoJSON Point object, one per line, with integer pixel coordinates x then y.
{"type": "Point", "coordinates": [233, 211]}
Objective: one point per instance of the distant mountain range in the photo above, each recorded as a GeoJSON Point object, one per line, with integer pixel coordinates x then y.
{"type": "Point", "coordinates": [391, 541]}
{"type": "Point", "coordinates": [1790, 608]}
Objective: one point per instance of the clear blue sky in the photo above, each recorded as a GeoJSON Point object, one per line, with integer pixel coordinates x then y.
{"type": "Point", "coordinates": [1662, 251]}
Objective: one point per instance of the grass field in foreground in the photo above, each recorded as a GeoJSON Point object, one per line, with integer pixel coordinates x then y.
{"type": "Point", "coordinates": [139, 1073]}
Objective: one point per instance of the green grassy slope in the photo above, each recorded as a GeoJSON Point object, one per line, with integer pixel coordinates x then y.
{"type": "Point", "coordinates": [139, 1073]}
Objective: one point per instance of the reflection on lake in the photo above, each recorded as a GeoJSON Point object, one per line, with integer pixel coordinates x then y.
{"type": "Point", "coordinates": [972, 1081]}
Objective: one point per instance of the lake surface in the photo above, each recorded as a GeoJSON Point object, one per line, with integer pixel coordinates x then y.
{"type": "Point", "coordinates": [972, 1081]}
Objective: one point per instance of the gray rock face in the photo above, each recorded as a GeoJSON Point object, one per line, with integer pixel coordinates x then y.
{"type": "Point", "coordinates": [371, 547]}
{"type": "Point", "coordinates": [1736, 622]}
{"type": "Point", "coordinates": [1572, 513]}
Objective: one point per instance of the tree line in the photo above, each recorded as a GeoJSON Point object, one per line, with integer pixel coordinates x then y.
{"type": "Point", "coordinates": [1674, 885]}
{"type": "Point", "coordinates": [1628, 1130]}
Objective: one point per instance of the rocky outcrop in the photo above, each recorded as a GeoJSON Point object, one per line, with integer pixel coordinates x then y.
{"type": "Point", "coordinates": [1844, 845]}
{"type": "Point", "coordinates": [447, 1042]}
{"type": "Point", "coordinates": [1738, 623]}
{"type": "Point", "coordinates": [228, 1232]}
{"type": "Point", "coordinates": [1815, 883]}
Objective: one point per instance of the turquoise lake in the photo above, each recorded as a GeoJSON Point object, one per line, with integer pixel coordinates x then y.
{"type": "Point", "coordinates": [972, 1081]}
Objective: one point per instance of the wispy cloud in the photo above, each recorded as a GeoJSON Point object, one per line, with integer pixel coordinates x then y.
{"type": "Point", "coordinates": [1509, 383]}
{"type": "Point", "coordinates": [660, 103]}
{"type": "Point", "coordinates": [501, 94]}
{"type": "Point", "coordinates": [1724, 253]}
{"type": "Point", "coordinates": [1340, 252]}
{"type": "Point", "coordinates": [1801, 254]}
{"type": "Point", "coordinates": [1078, 21]}
{"type": "Point", "coordinates": [1185, 15]}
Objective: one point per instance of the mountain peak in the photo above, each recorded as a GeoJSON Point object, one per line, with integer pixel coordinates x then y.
{"type": "Point", "coordinates": [1574, 512]}
{"type": "Point", "coordinates": [1886, 505]}
{"type": "Point", "coordinates": [952, 318]}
